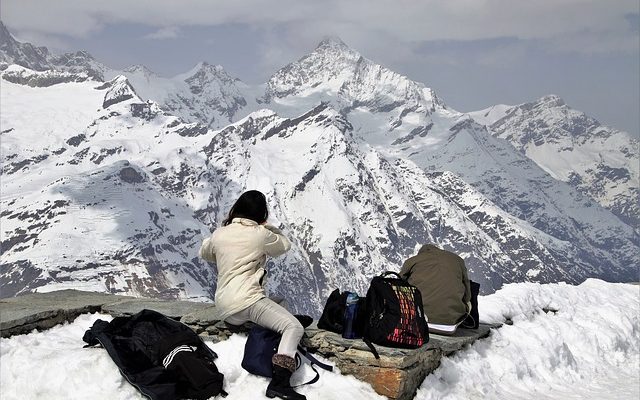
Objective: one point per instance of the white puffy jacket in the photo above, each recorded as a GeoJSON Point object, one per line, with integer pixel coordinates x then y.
{"type": "Point", "coordinates": [240, 250]}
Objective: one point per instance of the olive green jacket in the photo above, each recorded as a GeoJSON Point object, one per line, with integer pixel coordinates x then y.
{"type": "Point", "coordinates": [441, 277]}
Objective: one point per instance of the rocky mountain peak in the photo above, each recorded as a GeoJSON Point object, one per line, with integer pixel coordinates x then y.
{"type": "Point", "coordinates": [551, 100]}
{"type": "Point", "coordinates": [119, 90]}
{"type": "Point", "coordinates": [5, 36]}
{"type": "Point", "coordinates": [204, 74]}
{"type": "Point", "coordinates": [334, 71]}
{"type": "Point", "coordinates": [333, 43]}
{"type": "Point", "coordinates": [24, 54]}
{"type": "Point", "coordinates": [139, 68]}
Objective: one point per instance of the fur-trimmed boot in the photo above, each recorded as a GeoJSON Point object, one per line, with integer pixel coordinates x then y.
{"type": "Point", "coordinates": [280, 386]}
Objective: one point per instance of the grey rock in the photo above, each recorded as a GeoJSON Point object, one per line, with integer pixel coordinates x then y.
{"type": "Point", "coordinates": [172, 309]}
{"type": "Point", "coordinates": [43, 310]}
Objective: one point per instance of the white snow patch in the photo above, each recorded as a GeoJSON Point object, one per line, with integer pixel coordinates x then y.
{"type": "Point", "coordinates": [587, 348]}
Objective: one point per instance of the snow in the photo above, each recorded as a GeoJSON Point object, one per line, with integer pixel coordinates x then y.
{"type": "Point", "coordinates": [490, 115]}
{"type": "Point", "coordinates": [587, 348]}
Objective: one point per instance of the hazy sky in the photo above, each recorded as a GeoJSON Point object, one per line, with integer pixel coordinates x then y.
{"type": "Point", "coordinates": [474, 53]}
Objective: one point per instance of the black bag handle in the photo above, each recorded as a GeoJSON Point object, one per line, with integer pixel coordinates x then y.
{"type": "Point", "coordinates": [314, 361]}
{"type": "Point", "coordinates": [387, 273]}
{"type": "Point", "coordinates": [371, 347]}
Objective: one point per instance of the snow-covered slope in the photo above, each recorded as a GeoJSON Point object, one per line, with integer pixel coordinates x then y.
{"type": "Point", "coordinates": [80, 207]}
{"type": "Point", "coordinates": [572, 147]}
{"type": "Point", "coordinates": [104, 189]}
{"type": "Point", "coordinates": [207, 94]}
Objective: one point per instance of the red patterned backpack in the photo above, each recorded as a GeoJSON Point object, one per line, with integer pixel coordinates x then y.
{"type": "Point", "coordinates": [394, 316]}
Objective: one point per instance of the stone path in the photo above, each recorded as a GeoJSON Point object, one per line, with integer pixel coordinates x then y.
{"type": "Point", "coordinates": [397, 374]}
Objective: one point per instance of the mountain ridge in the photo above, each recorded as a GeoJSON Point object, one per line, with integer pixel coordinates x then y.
{"type": "Point", "coordinates": [357, 180]}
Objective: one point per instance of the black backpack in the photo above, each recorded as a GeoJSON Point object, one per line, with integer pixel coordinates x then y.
{"type": "Point", "coordinates": [333, 313]}
{"type": "Point", "coordinates": [161, 357]}
{"type": "Point", "coordinates": [394, 314]}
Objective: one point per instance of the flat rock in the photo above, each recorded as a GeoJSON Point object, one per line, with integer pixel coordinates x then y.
{"type": "Point", "coordinates": [462, 337]}
{"type": "Point", "coordinates": [398, 372]}
{"type": "Point", "coordinates": [22, 314]}
{"type": "Point", "coordinates": [171, 308]}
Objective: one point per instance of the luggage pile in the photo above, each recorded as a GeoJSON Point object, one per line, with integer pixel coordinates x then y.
{"type": "Point", "coordinates": [391, 314]}
{"type": "Point", "coordinates": [432, 293]}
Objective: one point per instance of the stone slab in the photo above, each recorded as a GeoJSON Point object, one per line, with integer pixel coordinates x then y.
{"type": "Point", "coordinates": [173, 309]}
{"type": "Point", "coordinates": [462, 337]}
{"type": "Point", "coordinates": [398, 372]}
{"type": "Point", "coordinates": [24, 313]}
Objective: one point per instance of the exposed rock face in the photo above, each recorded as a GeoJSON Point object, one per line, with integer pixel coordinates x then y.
{"type": "Point", "coordinates": [349, 80]}
{"type": "Point", "coordinates": [48, 78]}
{"type": "Point", "coordinates": [119, 90]}
{"type": "Point", "coordinates": [24, 54]}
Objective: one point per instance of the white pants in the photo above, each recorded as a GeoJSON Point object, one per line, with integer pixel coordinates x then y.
{"type": "Point", "coordinates": [269, 314]}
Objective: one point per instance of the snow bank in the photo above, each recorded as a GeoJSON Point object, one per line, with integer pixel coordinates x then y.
{"type": "Point", "coordinates": [53, 365]}
{"type": "Point", "coordinates": [588, 348]}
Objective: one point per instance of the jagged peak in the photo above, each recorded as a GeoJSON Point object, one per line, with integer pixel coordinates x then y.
{"type": "Point", "coordinates": [204, 69]}
{"type": "Point", "coordinates": [551, 100]}
{"type": "Point", "coordinates": [119, 89]}
{"type": "Point", "coordinates": [332, 42]}
{"type": "Point", "coordinates": [5, 35]}
{"type": "Point", "coordinates": [334, 46]}
{"type": "Point", "coordinates": [139, 68]}
{"type": "Point", "coordinates": [119, 80]}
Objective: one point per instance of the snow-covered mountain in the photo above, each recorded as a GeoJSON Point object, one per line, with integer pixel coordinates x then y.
{"type": "Point", "coordinates": [106, 190]}
{"type": "Point", "coordinates": [599, 161]}
{"type": "Point", "coordinates": [207, 94]}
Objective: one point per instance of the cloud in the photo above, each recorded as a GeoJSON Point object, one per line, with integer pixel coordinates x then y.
{"type": "Point", "coordinates": [170, 32]}
{"type": "Point", "coordinates": [403, 20]}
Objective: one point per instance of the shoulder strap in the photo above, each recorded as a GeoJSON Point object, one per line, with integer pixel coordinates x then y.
{"type": "Point", "coordinates": [387, 273]}
{"type": "Point", "coordinates": [372, 348]}
{"type": "Point", "coordinates": [314, 361]}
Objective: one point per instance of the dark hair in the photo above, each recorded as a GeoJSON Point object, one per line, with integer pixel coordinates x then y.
{"type": "Point", "coordinates": [251, 205]}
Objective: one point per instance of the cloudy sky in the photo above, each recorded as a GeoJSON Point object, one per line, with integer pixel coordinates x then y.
{"type": "Point", "coordinates": [474, 53]}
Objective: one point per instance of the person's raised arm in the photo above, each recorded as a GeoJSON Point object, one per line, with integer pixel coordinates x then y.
{"type": "Point", "coordinates": [207, 251]}
{"type": "Point", "coordinates": [275, 243]}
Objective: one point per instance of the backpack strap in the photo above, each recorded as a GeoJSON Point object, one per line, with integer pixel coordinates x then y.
{"type": "Point", "coordinates": [372, 348]}
{"type": "Point", "coordinates": [314, 361]}
{"type": "Point", "coordinates": [387, 273]}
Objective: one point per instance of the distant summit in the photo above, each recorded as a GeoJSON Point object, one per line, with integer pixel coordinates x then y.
{"type": "Point", "coordinates": [573, 147]}
{"type": "Point", "coordinates": [23, 54]}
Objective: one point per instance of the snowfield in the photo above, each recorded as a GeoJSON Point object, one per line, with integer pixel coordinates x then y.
{"type": "Point", "coordinates": [565, 342]}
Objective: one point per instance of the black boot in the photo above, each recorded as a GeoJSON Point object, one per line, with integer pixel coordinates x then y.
{"type": "Point", "coordinates": [283, 367]}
